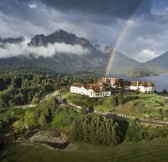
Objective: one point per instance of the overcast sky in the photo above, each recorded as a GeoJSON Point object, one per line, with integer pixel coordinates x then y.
{"type": "Point", "coordinates": [140, 25]}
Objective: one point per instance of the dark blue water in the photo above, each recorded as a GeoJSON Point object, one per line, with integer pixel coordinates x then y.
{"type": "Point", "coordinates": [161, 81]}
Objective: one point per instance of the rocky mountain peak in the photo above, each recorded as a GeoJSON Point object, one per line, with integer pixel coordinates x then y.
{"type": "Point", "coordinates": [38, 40]}
{"type": "Point", "coordinates": [60, 36]}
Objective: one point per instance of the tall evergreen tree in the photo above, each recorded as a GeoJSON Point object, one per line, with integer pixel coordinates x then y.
{"type": "Point", "coordinates": [120, 97]}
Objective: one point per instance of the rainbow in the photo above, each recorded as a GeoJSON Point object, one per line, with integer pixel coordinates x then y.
{"type": "Point", "coordinates": [119, 40]}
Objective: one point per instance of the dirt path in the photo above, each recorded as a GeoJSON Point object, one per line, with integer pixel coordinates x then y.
{"type": "Point", "coordinates": [24, 106]}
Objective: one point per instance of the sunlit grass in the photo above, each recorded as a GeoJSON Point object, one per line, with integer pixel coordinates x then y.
{"type": "Point", "coordinates": [138, 105]}
{"type": "Point", "coordinates": [149, 101]}
{"type": "Point", "coordinates": [55, 93]}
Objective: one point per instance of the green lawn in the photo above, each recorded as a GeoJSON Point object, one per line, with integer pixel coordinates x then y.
{"type": "Point", "coordinates": [139, 105]}
{"type": "Point", "coordinates": [103, 104]}
{"type": "Point", "coordinates": [153, 101]}
{"type": "Point", "coordinates": [153, 151]}
{"type": "Point", "coordinates": [145, 106]}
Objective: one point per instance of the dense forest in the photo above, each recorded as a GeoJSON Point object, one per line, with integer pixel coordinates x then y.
{"type": "Point", "coordinates": [25, 85]}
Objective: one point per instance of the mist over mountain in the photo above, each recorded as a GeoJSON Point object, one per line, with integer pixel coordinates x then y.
{"type": "Point", "coordinates": [63, 52]}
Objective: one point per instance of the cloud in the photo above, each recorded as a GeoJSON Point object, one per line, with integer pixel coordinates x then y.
{"type": "Point", "coordinates": [159, 8]}
{"type": "Point", "coordinates": [11, 50]}
{"type": "Point", "coordinates": [145, 55]}
{"type": "Point", "coordinates": [98, 11]}
{"type": "Point", "coordinates": [100, 21]}
{"type": "Point", "coordinates": [112, 8]}
{"type": "Point", "coordinates": [32, 6]}
{"type": "Point", "coordinates": [14, 27]}
{"type": "Point", "coordinates": [143, 35]}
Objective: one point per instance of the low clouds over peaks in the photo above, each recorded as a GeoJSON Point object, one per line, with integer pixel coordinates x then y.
{"type": "Point", "coordinates": [138, 25]}
{"type": "Point", "coordinates": [23, 48]}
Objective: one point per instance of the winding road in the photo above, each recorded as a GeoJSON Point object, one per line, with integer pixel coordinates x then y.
{"type": "Point", "coordinates": [116, 117]}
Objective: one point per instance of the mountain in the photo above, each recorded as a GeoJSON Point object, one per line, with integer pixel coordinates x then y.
{"type": "Point", "coordinates": [107, 49]}
{"type": "Point", "coordinates": [121, 63]}
{"type": "Point", "coordinates": [93, 62]}
{"type": "Point", "coordinates": [160, 61]}
{"type": "Point", "coordinates": [11, 40]}
{"type": "Point", "coordinates": [153, 67]}
{"type": "Point", "coordinates": [60, 36]}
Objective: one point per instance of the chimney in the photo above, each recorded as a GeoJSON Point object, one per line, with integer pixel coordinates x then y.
{"type": "Point", "coordinates": [105, 80]}
{"type": "Point", "coordinates": [137, 84]}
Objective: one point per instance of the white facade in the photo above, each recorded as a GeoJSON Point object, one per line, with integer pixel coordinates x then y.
{"type": "Point", "coordinates": [89, 92]}
{"type": "Point", "coordinates": [142, 87]}
{"type": "Point", "coordinates": [146, 89]}
{"type": "Point", "coordinates": [134, 88]}
{"type": "Point", "coordinates": [79, 90]}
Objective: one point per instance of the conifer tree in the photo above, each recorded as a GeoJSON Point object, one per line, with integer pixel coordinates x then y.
{"type": "Point", "coordinates": [120, 97]}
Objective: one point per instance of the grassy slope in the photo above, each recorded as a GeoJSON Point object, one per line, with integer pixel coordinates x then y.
{"type": "Point", "coordinates": [100, 104]}
{"type": "Point", "coordinates": [140, 105]}
{"type": "Point", "coordinates": [149, 101]}
{"type": "Point", "coordinates": [155, 150]}
{"type": "Point", "coordinates": [146, 105]}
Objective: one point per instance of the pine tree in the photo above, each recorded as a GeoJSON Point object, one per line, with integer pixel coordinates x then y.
{"type": "Point", "coordinates": [113, 101]}
{"type": "Point", "coordinates": [74, 131]}
{"type": "Point", "coordinates": [86, 131]}
{"type": "Point", "coordinates": [120, 97]}
{"type": "Point", "coordinates": [108, 132]}
{"type": "Point", "coordinates": [42, 121]}
{"type": "Point", "coordinates": [114, 140]}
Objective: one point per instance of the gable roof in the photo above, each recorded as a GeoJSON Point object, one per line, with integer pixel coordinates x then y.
{"type": "Point", "coordinates": [133, 83]}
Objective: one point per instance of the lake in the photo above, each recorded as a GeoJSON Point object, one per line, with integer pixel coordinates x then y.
{"type": "Point", "coordinates": [161, 81]}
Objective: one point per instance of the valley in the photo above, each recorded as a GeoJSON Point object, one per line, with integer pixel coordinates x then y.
{"type": "Point", "coordinates": [58, 115]}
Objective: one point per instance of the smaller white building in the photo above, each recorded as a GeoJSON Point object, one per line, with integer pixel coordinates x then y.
{"type": "Point", "coordinates": [142, 86]}
{"type": "Point", "coordinates": [146, 87]}
{"type": "Point", "coordinates": [91, 90]}
{"type": "Point", "coordinates": [134, 85]}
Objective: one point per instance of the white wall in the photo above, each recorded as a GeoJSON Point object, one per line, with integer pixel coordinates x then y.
{"type": "Point", "coordinates": [133, 88]}
{"type": "Point", "coordinates": [90, 92]}
{"type": "Point", "coordinates": [146, 89]}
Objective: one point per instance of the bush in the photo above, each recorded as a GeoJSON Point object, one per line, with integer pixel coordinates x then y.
{"type": "Point", "coordinates": [137, 132]}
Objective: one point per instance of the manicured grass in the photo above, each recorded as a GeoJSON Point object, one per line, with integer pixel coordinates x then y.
{"type": "Point", "coordinates": [153, 151]}
{"type": "Point", "coordinates": [140, 105]}
{"type": "Point", "coordinates": [144, 106]}
{"type": "Point", "coordinates": [153, 101]}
